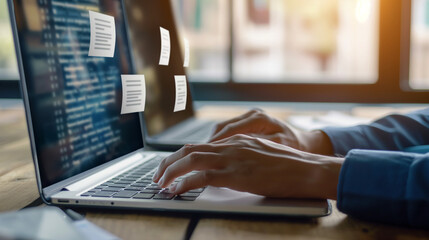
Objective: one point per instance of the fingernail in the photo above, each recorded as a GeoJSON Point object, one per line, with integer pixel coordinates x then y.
{"type": "Point", "coordinates": [161, 182]}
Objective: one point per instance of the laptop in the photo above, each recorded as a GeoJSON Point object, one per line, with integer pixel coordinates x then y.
{"type": "Point", "coordinates": [85, 152]}
{"type": "Point", "coordinates": [164, 128]}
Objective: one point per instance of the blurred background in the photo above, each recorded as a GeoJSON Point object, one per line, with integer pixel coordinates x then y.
{"type": "Point", "coordinates": [282, 40]}
{"type": "Point", "coordinates": [8, 66]}
{"type": "Point", "coordinates": [419, 52]}
{"type": "Point", "coordinates": [287, 42]}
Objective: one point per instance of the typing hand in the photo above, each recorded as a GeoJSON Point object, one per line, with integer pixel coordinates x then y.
{"type": "Point", "coordinates": [257, 123]}
{"type": "Point", "coordinates": [254, 165]}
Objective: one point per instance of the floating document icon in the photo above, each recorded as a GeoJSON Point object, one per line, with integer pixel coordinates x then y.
{"type": "Point", "coordinates": [103, 35]}
{"type": "Point", "coordinates": [187, 53]}
{"type": "Point", "coordinates": [164, 59]}
{"type": "Point", "coordinates": [133, 93]}
{"type": "Point", "coordinates": [181, 93]}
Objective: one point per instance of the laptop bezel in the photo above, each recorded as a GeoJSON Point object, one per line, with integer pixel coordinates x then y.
{"type": "Point", "coordinates": [50, 190]}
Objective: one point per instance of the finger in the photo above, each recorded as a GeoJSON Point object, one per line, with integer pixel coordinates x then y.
{"type": "Point", "coordinates": [277, 137]}
{"type": "Point", "coordinates": [243, 126]}
{"type": "Point", "coordinates": [201, 179]}
{"type": "Point", "coordinates": [220, 126]}
{"type": "Point", "coordinates": [187, 149]}
{"type": "Point", "coordinates": [194, 161]}
{"type": "Point", "coordinates": [225, 142]}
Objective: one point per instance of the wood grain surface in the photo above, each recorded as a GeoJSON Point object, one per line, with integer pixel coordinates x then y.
{"type": "Point", "coordinates": [336, 226]}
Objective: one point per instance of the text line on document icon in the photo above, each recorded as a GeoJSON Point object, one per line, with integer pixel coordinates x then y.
{"type": "Point", "coordinates": [164, 58]}
{"type": "Point", "coordinates": [181, 93]}
{"type": "Point", "coordinates": [133, 93]}
{"type": "Point", "coordinates": [103, 35]}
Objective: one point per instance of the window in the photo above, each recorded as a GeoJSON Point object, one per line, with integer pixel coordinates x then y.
{"type": "Point", "coordinates": [330, 41]}
{"type": "Point", "coordinates": [419, 47]}
{"type": "Point", "coordinates": [8, 66]}
{"type": "Point", "coordinates": [205, 24]}
{"type": "Point", "coordinates": [327, 41]}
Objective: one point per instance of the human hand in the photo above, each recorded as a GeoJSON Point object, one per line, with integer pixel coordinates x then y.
{"type": "Point", "coordinates": [254, 165]}
{"type": "Point", "coordinates": [258, 124]}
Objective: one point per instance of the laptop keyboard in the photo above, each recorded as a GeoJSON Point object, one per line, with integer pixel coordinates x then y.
{"type": "Point", "coordinates": [136, 183]}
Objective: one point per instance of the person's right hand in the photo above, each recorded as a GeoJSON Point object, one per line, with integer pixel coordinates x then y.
{"type": "Point", "coordinates": [257, 123]}
{"type": "Point", "coordinates": [254, 165]}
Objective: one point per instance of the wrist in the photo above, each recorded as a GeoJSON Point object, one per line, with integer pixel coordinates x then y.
{"type": "Point", "coordinates": [316, 142]}
{"type": "Point", "coordinates": [329, 176]}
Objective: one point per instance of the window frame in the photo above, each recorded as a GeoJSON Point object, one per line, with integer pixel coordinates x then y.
{"type": "Point", "coordinates": [407, 8]}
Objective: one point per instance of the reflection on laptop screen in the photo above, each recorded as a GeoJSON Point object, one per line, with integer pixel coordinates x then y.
{"type": "Point", "coordinates": [75, 100]}
{"type": "Point", "coordinates": [144, 20]}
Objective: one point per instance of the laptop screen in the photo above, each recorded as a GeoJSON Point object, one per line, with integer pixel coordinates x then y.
{"type": "Point", "coordinates": [75, 100]}
{"type": "Point", "coordinates": [145, 17]}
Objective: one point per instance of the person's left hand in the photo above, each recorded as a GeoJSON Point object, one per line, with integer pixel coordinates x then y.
{"type": "Point", "coordinates": [254, 165]}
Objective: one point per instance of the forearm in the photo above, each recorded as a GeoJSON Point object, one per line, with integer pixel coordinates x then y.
{"type": "Point", "coordinates": [394, 132]}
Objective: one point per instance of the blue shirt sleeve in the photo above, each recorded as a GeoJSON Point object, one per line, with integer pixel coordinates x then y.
{"type": "Point", "coordinates": [378, 182]}
{"type": "Point", "coordinates": [394, 132]}
{"type": "Point", "coordinates": [385, 186]}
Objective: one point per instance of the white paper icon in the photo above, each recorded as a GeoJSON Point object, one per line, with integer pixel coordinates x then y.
{"type": "Point", "coordinates": [164, 59]}
{"type": "Point", "coordinates": [133, 93]}
{"type": "Point", "coordinates": [187, 53]}
{"type": "Point", "coordinates": [181, 93]}
{"type": "Point", "coordinates": [103, 35]}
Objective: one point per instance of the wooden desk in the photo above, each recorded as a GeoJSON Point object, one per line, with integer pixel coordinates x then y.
{"type": "Point", "coordinates": [18, 189]}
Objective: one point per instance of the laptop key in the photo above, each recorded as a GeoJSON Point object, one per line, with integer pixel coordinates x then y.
{"type": "Point", "coordinates": [143, 196]}
{"type": "Point", "coordinates": [125, 182]}
{"type": "Point", "coordinates": [134, 175]}
{"type": "Point", "coordinates": [189, 194]}
{"type": "Point", "coordinates": [138, 185]}
{"type": "Point", "coordinates": [133, 189]}
{"type": "Point", "coordinates": [102, 194]}
{"type": "Point", "coordinates": [87, 194]}
{"type": "Point", "coordinates": [144, 182]}
{"type": "Point", "coordinates": [149, 191]}
{"type": "Point", "coordinates": [166, 190]}
{"type": "Point", "coordinates": [181, 198]}
{"type": "Point", "coordinates": [125, 194]}
{"type": "Point", "coordinates": [111, 189]}
{"type": "Point", "coordinates": [198, 190]}
{"type": "Point", "coordinates": [119, 185]}
{"type": "Point", "coordinates": [163, 196]}
{"type": "Point", "coordinates": [129, 179]}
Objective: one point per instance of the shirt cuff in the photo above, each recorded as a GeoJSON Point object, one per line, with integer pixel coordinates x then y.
{"type": "Point", "coordinates": [373, 184]}
{"type": "Point", "coordinates": [345, 139]}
